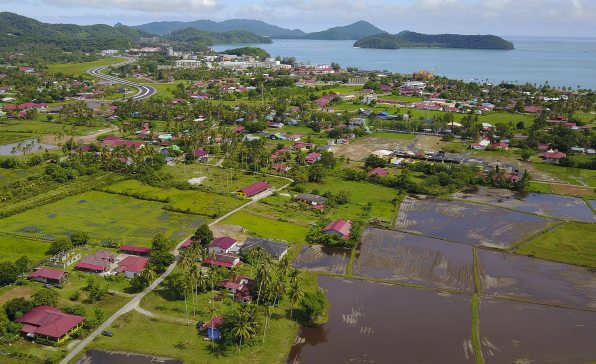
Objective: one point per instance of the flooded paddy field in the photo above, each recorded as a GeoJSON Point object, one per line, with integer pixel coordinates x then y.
{"type": "Point", "coordinates": [378, 323]}
{"type": "Point", "coordinates": [536, 280]}
{"type": "Point", "coordinates": [413, 259]}
{"type": "Point", "coordinates": [104, 216]}
{"type": "Point", "coordinates": [560, 207]}
{"type": "Point", "coordinates": [95, 356]}
{"type": "Point", "coordinates": [524, 333]}
{"type": "Point", "coordinates": [467, 222]}
{"type": "Point", "coordinates": [319, 258]}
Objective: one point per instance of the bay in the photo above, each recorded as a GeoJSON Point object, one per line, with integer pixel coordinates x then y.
{"type": "Point", "coordinates": [568, 62]}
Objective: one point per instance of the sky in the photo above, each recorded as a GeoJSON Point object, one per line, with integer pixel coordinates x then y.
{"type": "Point", "coordinates": [565, 18]}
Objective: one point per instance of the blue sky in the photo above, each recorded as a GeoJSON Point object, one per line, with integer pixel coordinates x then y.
{"type": "Point", "coordinates": [501, 17]}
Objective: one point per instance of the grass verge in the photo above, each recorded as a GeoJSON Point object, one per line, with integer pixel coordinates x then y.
{"type": "Point", "coordinates": [475, 331]}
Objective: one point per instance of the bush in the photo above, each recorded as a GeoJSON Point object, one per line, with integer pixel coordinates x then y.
{"type": "Point", "coordinates": [314, 305]}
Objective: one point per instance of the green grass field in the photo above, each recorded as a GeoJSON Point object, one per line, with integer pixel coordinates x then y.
{"type": "Point", "coordinates": [18, 129]}
{"type": "Point", "coordinates": [196, 201]}
{"type": "Point", "coordinates": [81, 68]}
{"type": "Point", "coordinates": [267, 228]}
{"type": "Point", "coordinates": [540, 187]}
{"type": "Point", "coordinates": [13, 248]}
{"type": "Point", "coordinates": [571, 243]}
{"type": "Point", "coordinates": [575, 176]}
{"type": "Point", "coordinates": [381, 134]}
{"type": "Point", "coordinates": [103, 216]}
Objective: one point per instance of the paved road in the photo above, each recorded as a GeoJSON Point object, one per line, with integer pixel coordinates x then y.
{"type": "Point", "coordinates": [145, 91]}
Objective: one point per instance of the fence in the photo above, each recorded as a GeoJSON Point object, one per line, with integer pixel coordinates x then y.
{"type": "Point", "coordinates": [23, 234]}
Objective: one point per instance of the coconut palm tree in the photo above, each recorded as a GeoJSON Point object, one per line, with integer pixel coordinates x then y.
{"type": "Point", "coordinates": [295, 276]}
{"type": "Point", "coordinates": [268, 313]}
{"type": "Point", "coordinates": [193, 274]}
{"type": "Point", "coordinates": [279, 287]}
{"type": "Point", "coordinates": [295, 294]}
{"type": "Point", "coordinates": [149, 275]}
{"type": "Point", "coordinates": [243, 328]}
{"type": "Point", "coordinates": [264, 277]}
{"type": "Point", "coordinates": [284, 267]}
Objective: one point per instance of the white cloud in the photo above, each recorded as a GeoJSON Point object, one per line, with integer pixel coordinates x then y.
{"type": "Point", "coordinates": [181, 6]}
{"type": "Point", "coordinates": [439, 5]}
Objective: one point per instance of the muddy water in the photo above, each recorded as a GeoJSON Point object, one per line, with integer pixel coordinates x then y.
{"type": "Point", "coordinates": [323, 259]}
{"type": "Point", "coordinates": [467, 222]}
{"type": "Point", "coordinates": [524, 333]}
{"type": "Point", "coordinates": [380, 323]}
{"type": "Point", "coordinates": [95, 356]}
{"type": "Point", "coordinates": [413, 259]}
{"type": "Point", "coordinates": [535, 280]}
{"type": "Point", "coordinates": [560, 207]}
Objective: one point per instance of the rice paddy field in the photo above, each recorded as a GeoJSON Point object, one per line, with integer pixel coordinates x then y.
{"type": "Point", "coordinates": [467, 222]}
{"type": "Point", "coordinates": [535, 280]}
{"type": "Point", "coordinates": [524, 333]}
{"type": "Point", "coordinates": [196, 202]}
{"type": "Point", "coordinates": [413, 259]}
{"type": "Point", "coordinates": [559, 207]}
{"type": "Point", "coordinates": [319, 258]}
{"type": "Point", "coordinates": [378, 323]}
{"type": "Point", "coordinates": [104, 216]}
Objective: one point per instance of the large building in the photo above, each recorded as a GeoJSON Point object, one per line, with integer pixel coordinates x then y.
{"type": "Point", "coordinates": [97, 263]}
{"type": "Point", "coordinates": [150, 40]}
{"type": "Point", "coordinates": [47, 275]}
{"type": "Point", "coordinates": [253, 189]}
{"type": "Point", "coordinates": [46, 323]}
{"type": "Point", "coordinates": [276, 249]}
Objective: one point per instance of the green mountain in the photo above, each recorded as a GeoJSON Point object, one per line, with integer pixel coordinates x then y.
{"type": "Point", "coordinates": [25, 30]}
{"type": "Point", "coordinates": [254, 26]}
{"type": "Point", "coordinates": [358, 30]}
{"type": "Point", "coordinates": [211, 38]}
{"type": "Point", "coordinates": [418, 40]}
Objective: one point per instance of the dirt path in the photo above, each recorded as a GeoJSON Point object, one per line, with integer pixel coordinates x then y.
{"type": "Point", "coordinates": [89, 138]}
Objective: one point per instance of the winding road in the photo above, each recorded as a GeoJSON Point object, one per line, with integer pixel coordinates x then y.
{"type": "Point", "coordinates": [144, 90]}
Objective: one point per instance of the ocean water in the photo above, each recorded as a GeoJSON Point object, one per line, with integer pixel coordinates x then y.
{"type": "Point", "coordinates": [568, 62]}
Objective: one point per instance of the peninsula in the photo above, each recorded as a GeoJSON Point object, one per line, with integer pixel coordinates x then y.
{"type": "Point", "coordinates": [418, 40]}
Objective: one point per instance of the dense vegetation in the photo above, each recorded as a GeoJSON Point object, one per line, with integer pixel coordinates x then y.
{"type": "Point", "coordinates": [211, 38]}
{"type": "Point", "coordinates": [254, 26]}
{"type": "Point", "coordinates": [16, 30]}
{"type": "Point", "coordinates": [418, 40]}
{"type": "Point", "coordinates": [248, 51]}
{"type": "Point", "coordinates": [358, 30]}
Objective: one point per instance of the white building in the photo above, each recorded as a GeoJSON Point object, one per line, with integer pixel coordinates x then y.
{"type": "Point", "coordinates": [109, 52]}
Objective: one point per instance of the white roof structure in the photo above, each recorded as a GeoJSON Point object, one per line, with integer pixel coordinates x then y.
{"type": "Point", "coordinates": [382, 153]}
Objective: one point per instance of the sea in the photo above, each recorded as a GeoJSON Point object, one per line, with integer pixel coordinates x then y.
{"type": "Point", "coordinates": [569, 62]}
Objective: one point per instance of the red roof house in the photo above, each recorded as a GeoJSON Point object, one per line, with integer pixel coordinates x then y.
{"type": "Point", "coordinates": [378, 171]}
{"type": "Point", "coordinates": [224, 260]}
{"type": "Point", "coordinates": [553, 156]}
{"type": "Point", "coordinates": [134, 250]}
{"type": "Point", "coordinates": [239, 129]}
{"type": "Point", "coordinates": [239, 287]}
{"type": "Point", "coordinates": [253, 189]}
{"type": "Point", "coordinates": [222, 245]}
{"type": "Point", "coordinates": [96, 263]}
{"type": "Point", "coordinates": [47, 275]}
{"type": "Point", "coordinates": [132, 266]}
{"type": "Point", "coordinates": [341, 228]}
{"type": "Point", "coordinates": [281, 167]}
{"type": "Point", "coordinates": [48, 323]}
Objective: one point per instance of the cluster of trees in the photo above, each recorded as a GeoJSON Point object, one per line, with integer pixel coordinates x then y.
{"type": "Point", "coordinates": [418, 40]}
{"type": "Point", "coordinates": [211, 38]}
{"type": "Point", "coordinates": [316, 236]}
{"type": "Point", "coordinates": [258, 53]}
{"type": "Point", "coordinates": [10, 271]}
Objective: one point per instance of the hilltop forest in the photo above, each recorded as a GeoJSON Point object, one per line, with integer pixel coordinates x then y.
{"type": "Point", "coordinates": [418, 40]}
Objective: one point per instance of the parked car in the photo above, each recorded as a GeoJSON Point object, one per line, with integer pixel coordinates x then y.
{"type": "Point", "coordinates": [58, 286]}
{"type": "Point", "coordinates": [47, 286]}
{"type": "Point", "coordinates": [107, 333]}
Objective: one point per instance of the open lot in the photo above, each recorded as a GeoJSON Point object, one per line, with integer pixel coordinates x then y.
{"type": "Point", "coordinates": [197, 202]}
{"type": "Point", "coordinates": [375, 323]}
{"type": "Point", "coordinates": [467, 222]}
{"type": "Point", "coordinates": [13, 248]}
{"type": "Point", "coordinates": [104, 216]}
{"type": "Point", "coordinates": [535, 280]}
{"type": "Point", "coordinates": [516, 333]}
{"type": "Point", "coordinates": [560, 207]}
{"type": "Point", "coordinates": [319, 258]}
{"type": "Point", "coordinates": [267, 228]}
{"type": "Point", "coordinates": [361, 148]}
{"type": "Point", "coordinates": [575, 176]}
{"type": "Point", "coordinates": [571, 243]}
{"type": "Point", "coordinates": [412, 259]}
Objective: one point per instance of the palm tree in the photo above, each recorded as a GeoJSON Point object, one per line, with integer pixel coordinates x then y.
{"type": "Point", "coordinates": [212, 310]}
{"type": "Point", "coordinates": [268, 313]}
{"type": "Point", "coordinates": [295, 294]}
{"type": "Point", "coordinates": [263, 276]}
{"type": "Point", "coordinates": [193, 274]}
{"type": "Point", "coordinates": [279, 287]}
{"type": "Point", "coordinates": [242, 328]}
{"type": "Point", "coordinates": [149, 275]}
{"type": "Point", "coordinates": [284, 267]}
{"type": "Point", "coordinates": [295, 276]}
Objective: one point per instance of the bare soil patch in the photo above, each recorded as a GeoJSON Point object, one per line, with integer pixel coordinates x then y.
{"type": "Point", "coordinates": [573, 190]}
{"type": "Point", "coordinates": [234, 231]}
{"type": "Point", "coordinates": [361, 148]}
{"type": "Point", "coordinates": [17, 292]}
{"type": "Point", "coordinates": [430, 143]}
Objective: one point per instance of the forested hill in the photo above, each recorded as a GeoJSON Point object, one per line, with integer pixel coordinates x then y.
{"type": "Point", "coordinates": [354, 31]}
{"type": "Point", "coordinates": [17, 30]}
{"type": "Point", "coordinates": [418, 40]}
{"type": "Point", "coordinates": [211, 38]}
{"type": "Point", "coordinates": [254, 26]}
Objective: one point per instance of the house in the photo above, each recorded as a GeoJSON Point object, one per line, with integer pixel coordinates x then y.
{"type": "Point", "coordinates": [224, 260]}
{"type": "Point", "coordinates": [132, 266]}
{"type": "Point", "coordinates": [239, 129]}
{"type": "Point", "coordinates": [520, 137]}
{"type": "Point", "coordinates": [500, 145]}
{"type": "Point", "coordinates": [553, 156]}
{"type": "Point", "coordinates": [312, 157]}
{"type": "Point", "coordinates": [341, 228]}
{"type": "Point", "coordinates": [280, 167]}
{"type": "Point", "coordinates": [311, 199]}
{"type": "Point", "coordinates": [303, 146]}
{"type": "Point", "coordinates": [477, 146]}
{"type": "Point", "coordinates": [253, 189]}
{"type": "Point", "coordinates": [295, 137]}
{"type": "Point", "coordinates": [187, 244]}
{"type": "Point", "coordinates": [275, 249]}
{"type": "Point", "coordinates": [47, 275]}
{"type": "Point", "coordinates": [200, 155]}
{"type": "Point", "coordinates": [213, 326]}
{"type": "Point", "coordinates": [276, 125]}
{"type": "Point", "coordinates": [542, 147]}
{"type": "Point", "coordinates": [49, 324]}
{"type": "Point", "coordinates": [356, 123]}
{"type": "Point", "coordinates": [378, 171]}
{"type": "Point", "coordinates": [134, 250]}
{"type": "Point", "coordinates": [97, 263]}
{"type": "Point", "coordinates": [222, 245]}
{"type": "Point", "coordinates": [239, 287]}
{"type": "Point", "coordinates": [342, 141]}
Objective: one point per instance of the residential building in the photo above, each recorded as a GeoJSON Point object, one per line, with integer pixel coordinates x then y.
{"type": "Point", "coordinates": [200, 155]}
{"type": "Point", "coordinates": [357, 81]}
{"type": "Point", "coordinates": [311, 199]}
{"type": "Point", "coordinates": [132, 266]}
{"type": "Point", "coordinates": [239, 287]}
{"type": "Point", "coordinates": [135, 250]}
{"type": "Point", "coordinates": [47, 275]}
{"type": "Point", "coordinates": [109, 52]}
{"type": "Point", "coordinates": [188, 63]}
{"type": "Point", "coordinates": [368, 98]}
{"type": "Point", "coordinates": [253, 189]}
{"type": "Point", "coordinates": [553, 156]}
{"type": "Point", "coordinates": [224, 260]}
{"type": "Point", "coordinates": [222, 245]}
{"type": "Point", "coordinates": [170, 52]}
{"type": "Point", "coordinates": [276, 249]}
{"type": "Point", "coordinates": [213, 326]}
{"type": "Point", "coordinates": [341, 228]}
{"type": "Point", "coordinates": [150, 40]}
{"type": "Point", "coordinates": [97, 263]}
{"type": "Point", "coordinates": [378, 171]}
{"type": "Point", "coordinates": [48, 324]}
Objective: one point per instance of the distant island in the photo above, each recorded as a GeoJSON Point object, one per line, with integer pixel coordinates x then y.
{"type": "Point", "coordinates": [418, 40]}
{"type": "Point", "coordinates": [358, 30]}
{"type": "Point", "coordinates": [211, 38]}
{"type": "Point", "coordinates": [254, 26]}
